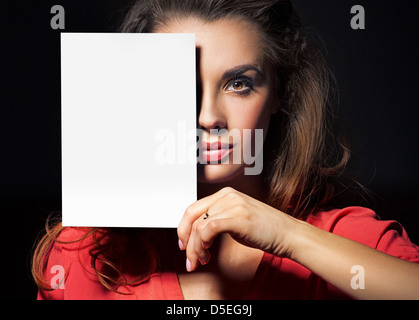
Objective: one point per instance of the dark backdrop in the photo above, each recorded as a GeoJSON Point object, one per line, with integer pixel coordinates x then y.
{"type": "Point", "coordinates": [376, 69]}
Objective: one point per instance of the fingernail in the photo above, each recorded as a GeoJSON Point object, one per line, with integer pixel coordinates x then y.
{"type": "Point", "coordinates": [188, 265]}
{"type": "Point", "coordinates": [181, 247]}
{"type": "Point", "coordinates": [204, 260]}
{"type": "Point", "coordinates": [206, 245]}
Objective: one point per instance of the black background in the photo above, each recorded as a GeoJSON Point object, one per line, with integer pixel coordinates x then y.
{"type": "Point", "coordinates": [376, 69]}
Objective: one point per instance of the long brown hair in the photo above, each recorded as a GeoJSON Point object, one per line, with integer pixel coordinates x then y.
{"type": "Point", "coordinates": [304, 159]}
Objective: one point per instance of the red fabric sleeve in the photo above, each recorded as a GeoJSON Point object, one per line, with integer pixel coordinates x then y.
{"type": "Point", "coordinates": [282, 278]}
{"type": "Point", "coordinates": [365, 226]}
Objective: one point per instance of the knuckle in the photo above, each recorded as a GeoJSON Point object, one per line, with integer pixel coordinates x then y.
{"type": "Point", "coordinates": [242, 205]}
{"type": "Point", "coordinates": [227, 190]}
{"type": "Point", "coordinates": [194, 226]}
{"type": "Point", "coordinates": [235, 198]}
{"type": "Point", "coordinates": [199, 227]}
{"type": "Point", "coordinates": [214, 225]}
{"type": "Point", "coordinates": [181, 231]}
{"type": "Point", "coordinates": [231, 195]}
{"type": "Point", "coordinates": [189, 211]}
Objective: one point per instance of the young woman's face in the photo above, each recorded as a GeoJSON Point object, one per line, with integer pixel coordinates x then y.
{"type": "Point", "coordinates": [233, 88]}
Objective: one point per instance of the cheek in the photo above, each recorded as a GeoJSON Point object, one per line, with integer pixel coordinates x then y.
{"type": "Point", "coordinates": [248, 113]}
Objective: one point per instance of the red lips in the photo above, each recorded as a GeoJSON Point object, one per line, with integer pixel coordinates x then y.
{"type": "Point", "coordinates": [216, 145]}
{"type": "Point", "coordinates": [215, 151]}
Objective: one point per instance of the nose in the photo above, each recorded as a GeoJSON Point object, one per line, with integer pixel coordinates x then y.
{"type": "Point", "coordinates": [210, 113]}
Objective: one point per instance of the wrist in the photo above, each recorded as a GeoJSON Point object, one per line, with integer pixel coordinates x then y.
{"type": "Point", "coordinates": [300, 238]}
{"type": "Point", "coordinates": [291, 239]}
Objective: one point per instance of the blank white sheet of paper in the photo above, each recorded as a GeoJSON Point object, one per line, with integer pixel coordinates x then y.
{"type": "Point", "coordinates": [128, 128]}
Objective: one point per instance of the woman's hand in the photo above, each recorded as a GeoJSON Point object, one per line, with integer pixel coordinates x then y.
{"type": "Point", "coordinates": [249, 221]}
{"type": "Point", "coordinates": [255, 224]}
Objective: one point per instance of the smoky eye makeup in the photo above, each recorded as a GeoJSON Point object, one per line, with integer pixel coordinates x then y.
{"type": "Point", "coordinates": [242, 85]}
{"type": "Point", "coordinates": [237, 82]}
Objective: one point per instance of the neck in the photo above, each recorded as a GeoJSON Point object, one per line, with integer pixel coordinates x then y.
{"type": "Point", "coordinates": [250, 185]}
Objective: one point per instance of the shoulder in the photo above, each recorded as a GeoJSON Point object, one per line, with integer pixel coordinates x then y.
{"type": "Point", "coordinates": [337, 218]}
{"type": "Point", "coordinates": [73, 233]}
{"type": "Point", "coordinates": [76, 244]}
{"type": "Point", "coordinates": [75, 240]}
{"type": "Point", "coordinates": [365, 226]}
{"type": "Point", "coordinates": [356, 223]}
{"type": "Point", "coordinates": [68, 262]}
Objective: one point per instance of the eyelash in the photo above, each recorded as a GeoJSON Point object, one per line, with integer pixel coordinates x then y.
{"type": "Point", "coordinates": [247, 82]}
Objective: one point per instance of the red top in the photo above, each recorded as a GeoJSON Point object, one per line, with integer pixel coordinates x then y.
{"type": "Point", "coordinates": [275, 278]}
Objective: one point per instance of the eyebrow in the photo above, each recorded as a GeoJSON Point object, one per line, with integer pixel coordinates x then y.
{"type": "Point", "coordinates": [240, 70]}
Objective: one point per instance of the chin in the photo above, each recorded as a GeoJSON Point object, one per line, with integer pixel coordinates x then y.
{"type": "Point", "coordinates": [218, 173]}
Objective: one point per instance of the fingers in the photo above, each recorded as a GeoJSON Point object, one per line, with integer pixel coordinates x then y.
{"type": "Point", "coordinates": [204, 220]}
{"type": "Point", "coordinates": [203, 234]}
{"type": "Point", "coordinates": [196, 251]}
{"type": "Point", "coordinates": [195, 211]}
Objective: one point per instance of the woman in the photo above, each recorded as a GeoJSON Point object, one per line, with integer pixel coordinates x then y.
{"type": "Point", "coordinates": [280, 234]}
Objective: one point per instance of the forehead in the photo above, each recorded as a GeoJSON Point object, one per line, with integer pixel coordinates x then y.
{"type": "Point", "coordinates": [223, 43]}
